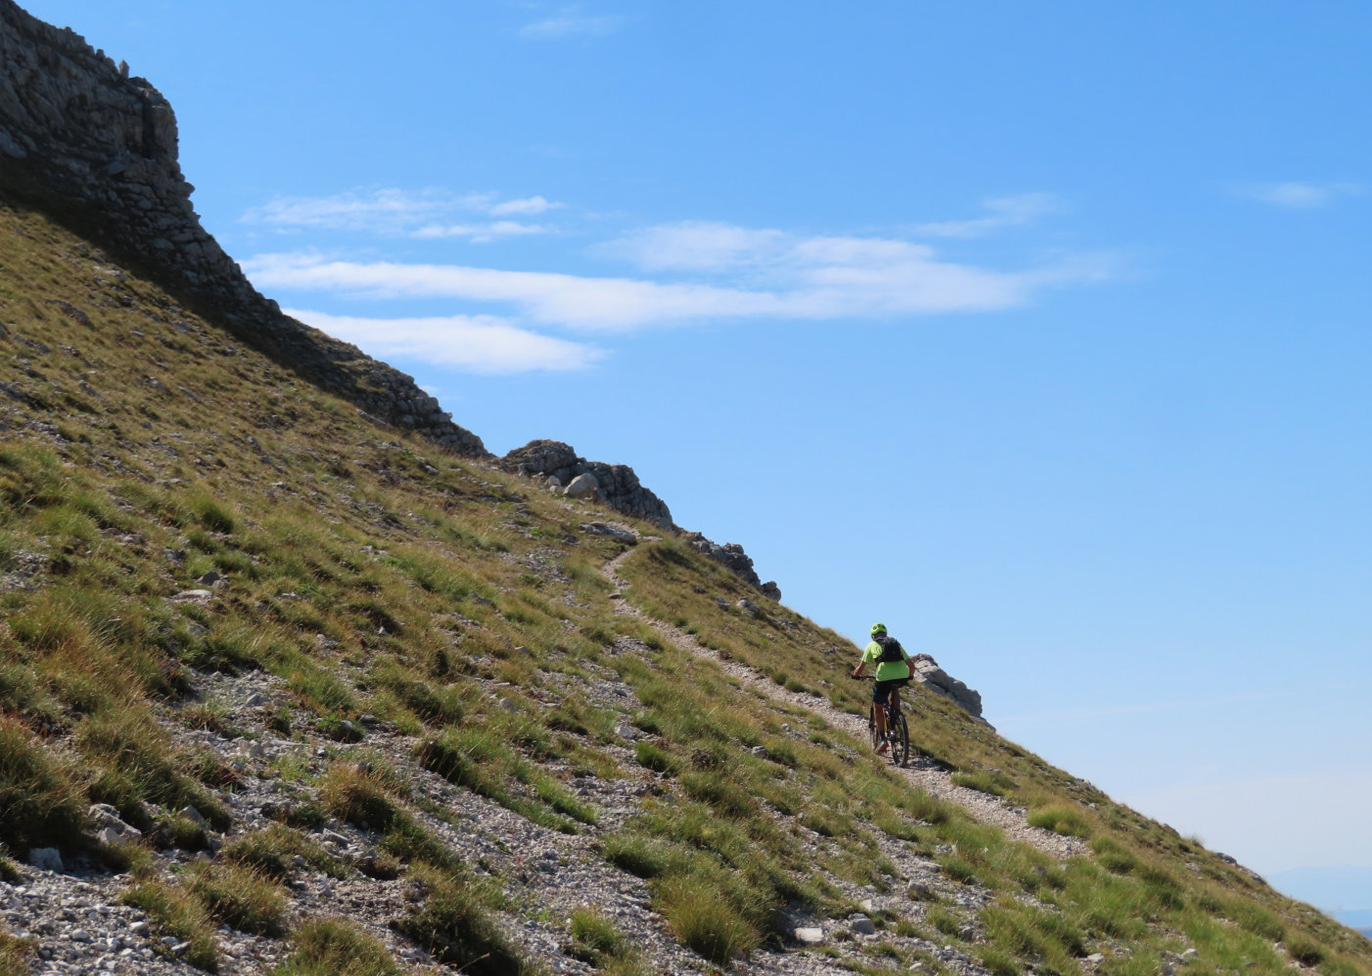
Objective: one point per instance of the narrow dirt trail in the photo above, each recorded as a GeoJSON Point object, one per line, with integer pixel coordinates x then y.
{"type": "Point", "coordinates": [928, 777]}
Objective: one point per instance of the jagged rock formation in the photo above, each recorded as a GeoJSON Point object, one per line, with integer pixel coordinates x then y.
{"type": "Point", "coordinates": [87, 144]}
{"type": "Point", "coordinates": [615, 485]}
{"type": "Point", "coordinates": [927, 672]}
{"type": "Point", "coordinates": [731, 555]}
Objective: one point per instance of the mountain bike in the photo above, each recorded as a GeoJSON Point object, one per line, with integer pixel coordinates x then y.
{"type": "Point", "coordinates": [897, 730]}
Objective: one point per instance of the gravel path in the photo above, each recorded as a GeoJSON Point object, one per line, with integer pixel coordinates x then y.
{"type": "Point", "coordinates": [927, 776]}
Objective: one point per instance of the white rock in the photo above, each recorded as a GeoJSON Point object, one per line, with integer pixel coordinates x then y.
{"type": "Point", "coordinates": [582, 486]}
{"type": "Point", "coordinates": [46, 858]}
{"type": "Point", "coordinates": [809, 936]}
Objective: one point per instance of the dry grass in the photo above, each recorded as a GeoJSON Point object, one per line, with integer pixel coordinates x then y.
{"type": "Point", "coordinates": [374, 574]}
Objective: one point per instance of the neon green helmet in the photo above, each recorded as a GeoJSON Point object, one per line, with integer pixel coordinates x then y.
{"type": "Point", "coordinates": [878, 629]}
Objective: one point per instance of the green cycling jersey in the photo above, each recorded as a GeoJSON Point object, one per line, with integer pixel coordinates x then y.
{"type": "Point", "coordinates": [886, 670]}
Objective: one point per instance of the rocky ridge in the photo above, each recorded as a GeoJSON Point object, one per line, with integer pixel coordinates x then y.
{"type": "Point", "coordinates": [565, 472]}
{"type": "Point", "coordinates": [85, 142]}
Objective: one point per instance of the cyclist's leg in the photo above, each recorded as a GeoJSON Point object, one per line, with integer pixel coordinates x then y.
{"type": "Point", "coordinates": [879, 698]}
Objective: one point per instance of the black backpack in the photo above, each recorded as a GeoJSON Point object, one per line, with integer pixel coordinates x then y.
{"type": "Point", "coordinates": [891, 650]}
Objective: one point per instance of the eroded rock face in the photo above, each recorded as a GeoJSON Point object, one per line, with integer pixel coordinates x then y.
{"type": "Point", "coordinates": [927, 672]}
{"type": "Point", "coordinates": [87, 144]}
{"type": "Point", "coordinates": [615, 485]}
{"type": "Point", "coordinates": [732, 556]}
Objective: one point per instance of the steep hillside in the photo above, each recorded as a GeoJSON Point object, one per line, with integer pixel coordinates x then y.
{"type": "Point", "coordinates": [285, 690]}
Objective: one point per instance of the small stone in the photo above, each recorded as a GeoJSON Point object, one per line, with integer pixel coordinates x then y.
{"type": "Point", "coordinates": [1095, 958]}
{"type": "Point", "coordinates": [46, 858]}
{"type": "Point", "coordinates": [809, 936]}
{"type": "Point", "coordinates": [862, 925]}
{"type": "Point", "coordinates": [194, 816]}
{"type": "Point", "coordinates": [1190, 955]}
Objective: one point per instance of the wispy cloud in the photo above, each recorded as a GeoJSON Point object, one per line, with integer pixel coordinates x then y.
{"type": "Point", "coordinates": [528, 207]}
{"type": "Point", "coordinates": [476, 343]}
{"type": "Point", "coordinates": [766, 274]}
{"type": "Point", "coordinates": [395, 212]}
{"type": "Point", "coordinates": [1001, 212]}
{"type": "Point", "coordinates": [1299, 196]}
{"type": "Point", "coordinates": [571, 21]}
{"type": "Point", "coordinates": [480, 232]}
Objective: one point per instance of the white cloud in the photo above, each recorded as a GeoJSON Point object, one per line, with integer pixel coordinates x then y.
{"type": "Point", "coordinates": [1299, 196]}
{"type": "Point", "coordinates": [479, 343]}
{"type": "Point", "coordinates": [786, 276]}
{"type": "Point", "coordinates": [1004, 212]}
{"type": "Point", "coordinates": [571, 21]}
{"type": "Point", "coordinates": [528, 207]}
{"type": "Point", "coordinates": [396, 212]}
{"type": "Point", "coordinates": [381, 210]}
{"type": "Point", "coordinates": [480, 232]}
{"type": "Point", "coordinates": [698, 245]}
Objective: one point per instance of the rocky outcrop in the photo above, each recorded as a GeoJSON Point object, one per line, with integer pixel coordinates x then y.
{"type": "Point", "coordinates": [732, 556]}
{"type": "Point", "coordinates": [927, 672]}
{"type": "Point", "coordinates": [96, 149]}
{"type": "Point", "coordinates": [615, 485]}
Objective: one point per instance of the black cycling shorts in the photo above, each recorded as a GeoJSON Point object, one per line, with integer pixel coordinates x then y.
{"type": "Point", "coordinates": [882, 689]}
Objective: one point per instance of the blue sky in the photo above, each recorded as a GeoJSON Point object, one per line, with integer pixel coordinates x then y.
{"type": "Point", "coordinates": [1037, 331]}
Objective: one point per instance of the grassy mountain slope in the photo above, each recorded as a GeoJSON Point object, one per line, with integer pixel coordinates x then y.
{"type": "Point", "coordinates": [431, 716]}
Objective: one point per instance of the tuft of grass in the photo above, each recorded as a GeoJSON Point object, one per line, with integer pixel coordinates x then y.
{"type": "Point", "coordinates": [451, 924]}
{"type": "Point", "coordinates": [239, 896]}
{"type": "Point", "coordinates": [1061, 820]}
{"type": "Point", "coordinates": [1307, 952]}
{"type": "Point", "coordinates": [334, 947]}
{"type": "Point", "coordinates": [16, 954]}
{"type": "Point", "coordinates": [272, 852]}
{"type": "Point", "coordinates": [177, 914]}
{"type": "Point", "coordinates": [704, 919]}
{"type": "Point", "coordinates": [994, 783]}
{"type": "Point", "coordinates": [595, 940]}
{"type": "Point", "coordinates": [360, 796]}
{"type": "Point", "coordinates": [41, 800]}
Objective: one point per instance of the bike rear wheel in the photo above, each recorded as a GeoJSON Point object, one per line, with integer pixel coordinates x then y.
{"type": "Point", "coordinates": [900, 737]}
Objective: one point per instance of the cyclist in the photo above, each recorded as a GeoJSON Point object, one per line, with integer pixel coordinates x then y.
{"type": "Point", "coordinates": [892, 673]}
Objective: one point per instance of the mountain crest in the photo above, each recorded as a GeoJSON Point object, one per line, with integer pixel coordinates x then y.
{"type": "Point", "coordinates": [96, 149]}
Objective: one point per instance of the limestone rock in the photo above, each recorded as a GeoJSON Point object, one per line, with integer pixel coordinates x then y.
{"type": "Point", "coordinates": [617, 484]}
{"type": "Point", "coordinates": [862, 925]}
{"type": "Point", "coordinates": [582, 486]}
{"type": "Point", "coordinates": [621, 532]}
{"type": "Point", "coordinates": [926, 671]}
{"type": "Point", "coordinates": [46, 858]}
{"type": "Point", "coordinates": [732, 557]}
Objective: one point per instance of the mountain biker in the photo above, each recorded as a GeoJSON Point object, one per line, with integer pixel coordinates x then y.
{"type": "Point", "coordinates": [892, 673]}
